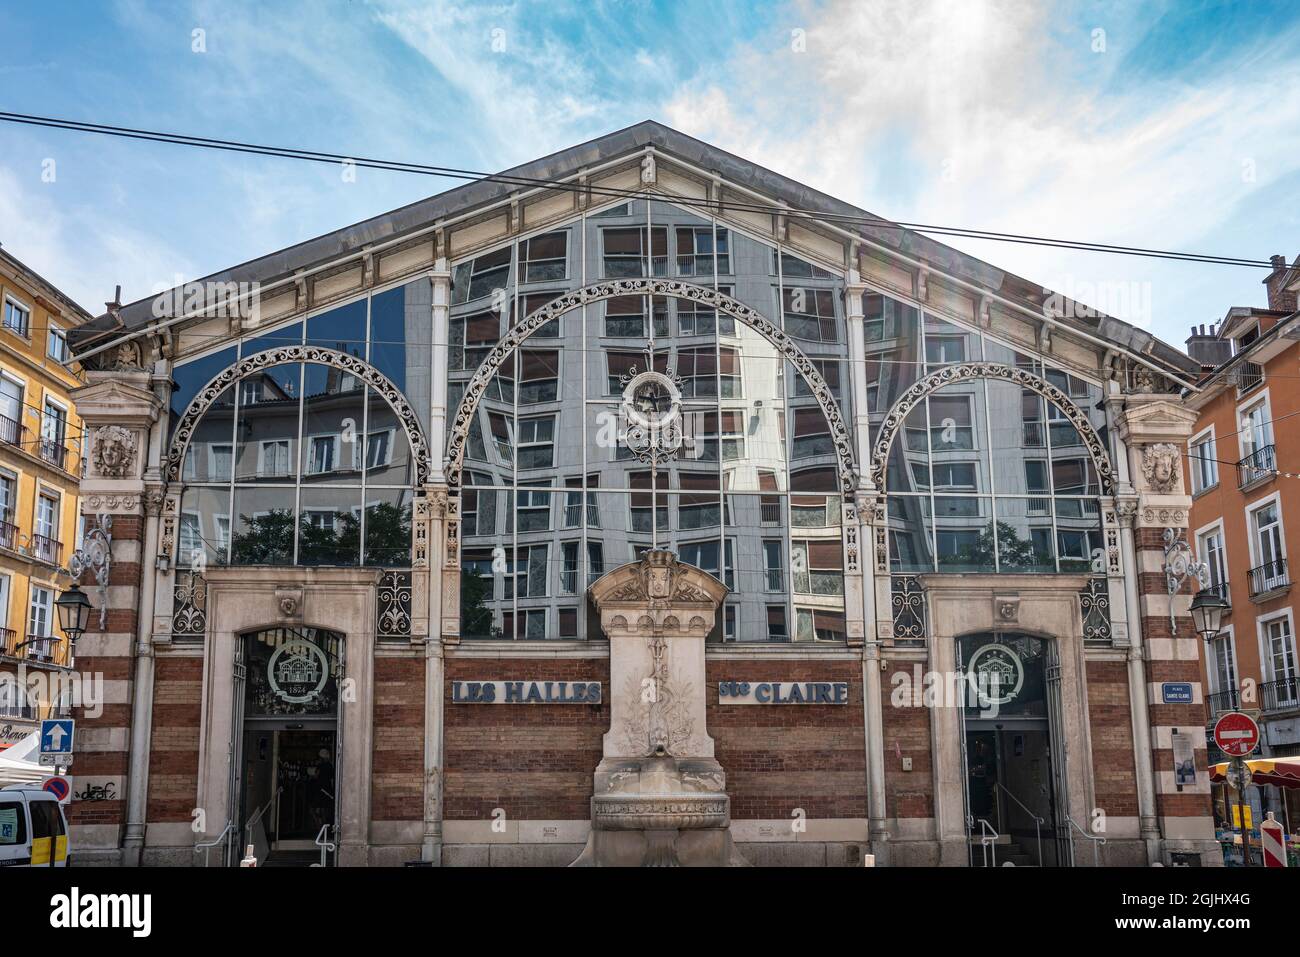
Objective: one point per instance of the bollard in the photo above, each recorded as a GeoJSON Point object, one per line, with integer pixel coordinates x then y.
{"type": "Point", "coordinates": [249, 860]}
{"type": "Point", "coordinates": [868, 860]}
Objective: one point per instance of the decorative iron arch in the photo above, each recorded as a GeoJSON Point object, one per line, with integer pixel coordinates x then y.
{"type": "Point", "coordinates": [988, 370]}
{"type": "Point", "coordinates": [596, 292]}
{"type": "Point", "coordinates": [363, 370]}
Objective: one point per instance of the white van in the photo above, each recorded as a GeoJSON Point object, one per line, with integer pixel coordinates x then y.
{"type": "Point", "coordinates": [33, 830]}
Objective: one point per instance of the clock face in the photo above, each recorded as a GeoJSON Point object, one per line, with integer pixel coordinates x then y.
{"type": "Point", "coordinates": [651, 400]}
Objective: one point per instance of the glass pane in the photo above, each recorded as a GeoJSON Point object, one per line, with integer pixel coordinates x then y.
{"type": "Point", "coordinates": [342, 329]}
{"type": "Point", "coordinates": [388, 527]}
{"type": "Point", "coordinates": [388, 459]}
{"type": "Point", "coordinates": [190, 377]}
{"type": "Point", "coordinates": [964, 533]}
{"type": "Point", "coordinates": [401, 330]}
{"type": "Point", "coordinates": [1024, 529]}
{"type": "Point", "coordinates": [329, 526]}
{"type": "Point", "coordinates": [290, 335]}
{"type": "Point", "coordinates": [210, 454]}
{"type": "Point", "coordinates": [333, 410]}
{"type": "Point", "coordinates": [267, 434]}
{"type": "Point", "coordinates": [264, 526]}
{"type": "Point", "coordinates": [204, 533]}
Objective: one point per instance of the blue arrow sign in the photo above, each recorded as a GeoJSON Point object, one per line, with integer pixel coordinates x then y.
{"type": "Point", "coordinates": [56, 736]}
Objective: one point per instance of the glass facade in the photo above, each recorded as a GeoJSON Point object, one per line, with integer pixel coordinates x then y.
{"type": "Point", "coordinates": [300, 463]}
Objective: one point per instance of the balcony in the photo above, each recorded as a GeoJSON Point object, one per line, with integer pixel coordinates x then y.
{"type": "Point", "coordinates": [45, 549]}
{"type": "Point", "coordinates": [8, 535]}
{"type": "Point", "coordinates": [1280, 695]}
{"type": "Point", "coordinates": [1249, 377]}
{"type": "Point", "coordinates": [9, 643]}
{"type": "Point", "coordinates": [1222, 702]}
{"type": "Point", "coordinates": [1269, 580]}
{"type": "Point", "coordinates": [770, 512]}
{"type": "Point", "coordinates": [1223, 590]}
{"type": "Point", "coordinates": [12, 432]}
{"type": "Point", "coordinates": [1257, 467]}
{"type": "Point", "coordinates": [55, 452]}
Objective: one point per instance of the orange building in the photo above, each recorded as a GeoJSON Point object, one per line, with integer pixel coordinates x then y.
{"type": "Point", "coordinates": [1243, 464]}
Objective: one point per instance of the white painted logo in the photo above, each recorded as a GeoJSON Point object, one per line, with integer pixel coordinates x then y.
{"type": "Point", "coordinates": [298, 671]}
{"type": "Point", "coordinates": [998, 674]}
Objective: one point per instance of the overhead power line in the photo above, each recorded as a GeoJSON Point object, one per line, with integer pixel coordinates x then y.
{"type": "Point", "coordinates": [451, 172]}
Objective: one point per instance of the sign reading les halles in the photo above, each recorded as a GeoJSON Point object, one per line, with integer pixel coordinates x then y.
{"type": "Point", "coordinates": [525, 692]}
{"type": "Point", "coordinates": [783, 692]}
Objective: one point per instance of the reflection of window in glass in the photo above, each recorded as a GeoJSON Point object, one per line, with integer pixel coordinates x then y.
{"type": "Point", "coordinates": [322, 454]}
{"type": "Point", "coordinates": [694, 319]}
{"type": "Point", "coordinates": [944, 349]}
{"type": "Point", "coordinates": [777, 630]}
{"type": "Point", "coordinates": [812, 434]}
{"type": "Point", "coordinates": [769, 505]}
{"type": "Point", "coordinates": [625, 317]}
{"type": "Point", "coordinates": [830, 373]}
{"type": "Point", "coordinates": [1073, 477]}
{"type": "Point", "coordinates": [573, 512]}
{"type": "Point", "coordinates": [818, 625]}
{"type": "Point", "coordinates": [902, 550]}
{"type": "Point", "coordinates": [532, 624]}
{"type": "Point", "coordinates": [527, 577]}
{"type": "Point", "coordinates": [643, 505]}
{"type": "Point", "coordinates": [947, 476]}
{"type": "Point", "coordinates": [703, 370]}
{"type": "Point", "coordinates": [272, 458]}
{"type": "Point", "coordinates": [621, 365]}
{"type": "Point", "coordinates": [817, 566]}
{"type": "Point", "coordinates": [540, 377]}
{"type": "Point", "coordinates": [705, 555]}
{"type": "Point", "coordinates": [958, 546]}
{"type": "Point", "coordinates": [1076, 548]}
{"type": "Point", "coordinates": [703, 428]}
{"type": "Point", "coordinates": [501, 436]}
{"type": "Point", "coordinates": [569, 571]}
{"type": "Point", "coordinates": [798, 268]}
{"type": "Point", "coordinates": [534, 301]}
{"type": "Point", "coordinates": [537, 442]}
{"type": "Point", "coordinates": [1031, 414]}
{"type": "Point", "coordinates": [1072, 386]}
{"type": "Point", "coordinates": [696, 247]}
{"type": "Point", "coordinates": [810, 314]}
{"type": "Point", "coordinates": [533, 508]}
{"type": "Point", "coordinates": [625, 251]}
{"type": "Point", "coordinates": [773, 567]}
{"type": "Point", "coordinates": [702, 507]}
{"type": "Point", "coordinates": [544, 258]}
{"type": "Point", "coordinates": [480, 276]}
{"type": "Point", "coordinates": [730, 622]}
{"type": "Point", "coordinates": [471, 338]}
{"type": "Point", "coordinates": [1205, 468]}
{"type": "Point", "coordinates": [950, 424]}
{"type": "Point", "coordinates": [191, 537]}
{"type": "Point", "coordinates": [379, 449]}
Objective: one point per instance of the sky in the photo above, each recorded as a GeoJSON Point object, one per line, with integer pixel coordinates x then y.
{"type": "Point", "coordinates": [1172, 125]}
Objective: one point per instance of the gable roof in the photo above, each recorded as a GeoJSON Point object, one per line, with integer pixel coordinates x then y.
{"type": "Point", "coordinates": [634, 139]}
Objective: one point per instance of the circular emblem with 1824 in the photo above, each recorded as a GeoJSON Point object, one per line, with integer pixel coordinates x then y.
{"type": "Point", "coordinates": [997, 674]}
{"type": "Point", "coordinates": [297, 671]}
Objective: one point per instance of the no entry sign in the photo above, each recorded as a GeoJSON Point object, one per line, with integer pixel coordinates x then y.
{"type": "Point", "coordinates": [1236, 734]}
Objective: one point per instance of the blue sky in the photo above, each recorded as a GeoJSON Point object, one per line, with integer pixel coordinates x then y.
{"type": "Point", "coordinates": [1172, 125]}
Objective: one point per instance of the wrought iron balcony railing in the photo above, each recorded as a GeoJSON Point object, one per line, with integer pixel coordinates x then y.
{"type": "Point", "coordinates": [45, 549]}
{"type": "Point", "coordinates": [1280, 694]}
{"type": "Point", "coordinates": [1222, 701]}
{"type": "Point", "coordinates": [1257, 466]}
{"type": "Point", "coordinates": [12, 432]}
{"type": "Point", "coordinates": [9, 642]}
{"type": "Point", "coordinates": [1268, 578]}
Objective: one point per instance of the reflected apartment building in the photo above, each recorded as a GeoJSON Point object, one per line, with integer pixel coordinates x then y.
{"type": "Point", "coordinates": [372, 518]}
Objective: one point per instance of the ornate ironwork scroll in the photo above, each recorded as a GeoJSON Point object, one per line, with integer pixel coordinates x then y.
{"type": "Point", "coordinates": [394, 605]}
{"type": "Point", "coordinates": [913, 397]}
{"type": "Point", "coordinates": [458, 434]}
{"type": "Point", "coordinates": [330, 357]}
{"type": "Point", "coordinates": [189, 606]}
{"type": "Point", "coordinates": [1094, 607]}
{"type": "Point", "coordinates": [96, 555]}
{"type": "Point", "coordinates": [908, 600]}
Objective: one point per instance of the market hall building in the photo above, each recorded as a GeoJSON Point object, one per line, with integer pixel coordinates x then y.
{"type": "Point", "coordinates": [641, 506]}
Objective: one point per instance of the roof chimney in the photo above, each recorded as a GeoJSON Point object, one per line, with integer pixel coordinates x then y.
{"type": "Point", "coordinates": [1279, 297]}
{"type": "Point", "coordinates": [1207, 348]}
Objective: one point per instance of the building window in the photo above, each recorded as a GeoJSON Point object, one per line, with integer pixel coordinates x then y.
{"type": "Point", "coordinates": [810, 314]}
{"type": "Point", "coordinates": [481, 276]}
{"type": "Point", "coordinates": [625, 317]}
{"type": "Point", "coordinates": [696, 248]}
{"type": "Point", "coordinates": [705, 555]}
{"type": "Point", "coordinates": [1280, 649]}
{"type": "Point", "coordinates": [539, 377]}
{"type": "Point", "coordinates": [947, 476]}
{"type": "Point", "coordinates": [1269, 553]}
{"type": "Point", "coordinates": [527, 577]}
{"type": "Point", "coordinates": [817, 566]}
{"type": "Point", "coordinates": [694, 319]}
{"type": "Point", "coordinates": [704, 371]}
{"type": "Point", "coordinates": [544, 258]}
{"type": "Point", "coordinates": [39, 621]}
{"type": "Point", "coordinates": [532, 624]}
{"type": "Point", "coordinates": [812, 434]}
{"type": "Point", "coordinates": [700, 503]}
{"type": "Point", "coordinates": [57, 344]}
{"type": "Point", "coordinates": [702, 427]}
{"type": "Point", "coordinates": [1205, 470]}
{"type": "Point", "coordinates": [533, 508]}
{"type": "Point", "coordinates": [379, 449]}
{"type": "Point", "coordinates": [272, 460]}
{"type": "Point", "coordinates": [1210, 547]}
{"type": "Point", "coordinates": [18, 318]}
{"type": "Point", "coordinates": [1256, 429]}
{"type": "Point", "coordinates": [537, 442]}
{"type": "Point", "coordinates": [573, 496]}
{"type": "Point", "coordinates": [1224, 664]}
{"type": "Point", "coordinates": [471, 338]}
{"type": "Point", "coordinates": [777, 629]}
{"type": "Point", "coordinates": [625, 251]}
{"type": "Point", "coordinates": [773, 567]}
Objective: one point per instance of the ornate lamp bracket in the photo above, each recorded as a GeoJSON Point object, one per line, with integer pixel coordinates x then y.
{"type": "Point", "coordinates": [1179, 566]}
{"type": "Point", "coordinates": [96, 554]}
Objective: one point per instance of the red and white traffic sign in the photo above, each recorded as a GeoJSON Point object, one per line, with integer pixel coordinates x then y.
{"type": "Point", "coordinates": [1236, 734]}
{"type": "Point", "coordinates": [58, 786]}
{"type": "Point", "coordinates": [1272, 842]}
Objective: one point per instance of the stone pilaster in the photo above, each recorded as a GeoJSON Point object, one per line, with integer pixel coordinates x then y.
{"type": "Point", "coordinates": [120, 410]}
{"type": "Point", "coordinates": [1153, 429]}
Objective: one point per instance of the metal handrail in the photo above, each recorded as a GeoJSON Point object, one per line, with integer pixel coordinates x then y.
{"type": "Point", "coordinates": [257, 816]}
{"type": "Point", "coordinates": [208, 845]}
{"type": "Point", "coordinates": [1097, 841]}
{"type": "Point", "coordinates": [1038, 821]}
{"type": "Point", "coordinates": [323, 843]}
{"type": "Point", "coordinates": [988, 839]}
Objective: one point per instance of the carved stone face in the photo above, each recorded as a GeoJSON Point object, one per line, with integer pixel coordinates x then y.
{"type": "Point", "coordinates": [658, 582]}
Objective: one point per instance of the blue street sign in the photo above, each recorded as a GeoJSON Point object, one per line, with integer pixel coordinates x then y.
{"type": "Point", "coordinates": [1176, 692]}
{"type": "Point", "coordinates": [56, 736]}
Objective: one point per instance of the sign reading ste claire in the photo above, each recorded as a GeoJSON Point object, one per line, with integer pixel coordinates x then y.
{"type": "Point", "coordinates": [783, 692]}
{"type": "Point", "coordinates": [525, 692]}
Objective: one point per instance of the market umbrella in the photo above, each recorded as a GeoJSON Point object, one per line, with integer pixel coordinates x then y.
{"type": "Point", "coordinates": [1280, 772]}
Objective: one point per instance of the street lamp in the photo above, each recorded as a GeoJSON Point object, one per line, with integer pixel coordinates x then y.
{"type": "Point", "coordinates": [1207, 613]}
{"type": "Point", "coordinates": [74, 612]}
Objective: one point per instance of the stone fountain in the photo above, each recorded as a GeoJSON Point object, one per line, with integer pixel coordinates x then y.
{"type": "Point", "coordinates": [660, 796]}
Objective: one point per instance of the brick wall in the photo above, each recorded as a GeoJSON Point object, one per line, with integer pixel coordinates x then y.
{"type": "Point", "coordinates": [397, 770]}
{"type": "Point", "coordinates": [534, 761]}
{"type": "Point", "coordinates": [1111, 726]}
{"type": "Point", "coordinates": [174, 744]}
{"type": "Point", "coordinates": [905, 729]}
{"type": "Point", "coordinates": [781, 757]}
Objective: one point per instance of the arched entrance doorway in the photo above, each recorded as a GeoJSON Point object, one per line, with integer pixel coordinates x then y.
{"type": "Point", "coordinates": [286, 785]}
{"type": "Point", "coordinates": [1015, 791]}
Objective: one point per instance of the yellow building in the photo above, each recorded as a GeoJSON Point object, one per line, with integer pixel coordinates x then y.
{"type": "Point", "coordinates": [40, 469]}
